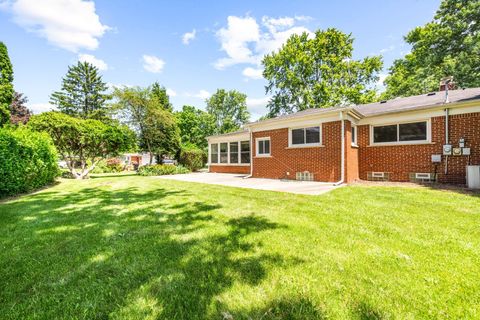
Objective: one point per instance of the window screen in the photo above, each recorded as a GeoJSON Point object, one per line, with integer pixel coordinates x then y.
{"type": "Point", "coordinates": [412, 131]}
{"type": "Point", "coordinates": [224, 152]}
{"type": "Point", "coordinates": [385, 133]}
{"type": "Point", "coordinates": [263, 147]}
{"type": "Point", "coordinates": [233, 152]}
{"type": "Point", "coordinates": [245, 151]}
{"type": "Point", "coordinates": [214, 153]}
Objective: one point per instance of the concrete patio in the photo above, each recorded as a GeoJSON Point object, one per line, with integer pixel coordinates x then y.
{"type": "Point", "coordinates": [238, 180]}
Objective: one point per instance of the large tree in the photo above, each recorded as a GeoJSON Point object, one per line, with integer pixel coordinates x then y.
{"type": "Point", "coordinates": [6, 84]}
{"type": "Point", "coordinates": [19, 113]}
{"type": "Point", "coordinates": [229, 110]}
{"type": "Point", "coordinates": [318, 72]}
{"type": "Point", "coordinates": [159, 93]}
{"type": "Point", "coordinates": [83, 143]}
{"type": "Point", "coordinates": [195, 126]}
{"type": "Point", "coordinates": [83, 93]}
{"type": "Point", "coordinates": [154, 124]}
{"type": "Point", "coordinates": [449, 45]}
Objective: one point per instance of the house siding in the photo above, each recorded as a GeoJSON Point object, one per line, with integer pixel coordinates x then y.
{"type": "Point", "coordinates": [323, 162]}
{"type": "Point", "coordinates": [401, 160]}
{"type": "Point", "coordinates": [229, 169]}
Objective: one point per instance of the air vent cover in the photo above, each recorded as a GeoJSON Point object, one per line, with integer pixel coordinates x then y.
{"type": "Point", "coordinates": [378, 176]}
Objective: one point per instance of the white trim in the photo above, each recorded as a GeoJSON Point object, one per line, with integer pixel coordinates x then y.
{"type": "Point", "coordinates": [354, 143]}
{"type": "Point", "coordinates": [305, 144]}
{"type": "Point", "coordinates": [263, 155]}
{"type": "Point", "coordinates": [295, 122]}
{"type": "Point", "coordinates": [230, 164]}
{"type": "Point", "coordinates": [242, 136]}
{"type": "Point", "coordinates": [398, 142]}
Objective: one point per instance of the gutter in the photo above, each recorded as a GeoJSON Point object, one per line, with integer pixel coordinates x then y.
{"type": "Point", "coordinates": [342, 168]}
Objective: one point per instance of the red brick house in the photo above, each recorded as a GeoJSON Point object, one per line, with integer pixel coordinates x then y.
{"type": "Point", "coordinates": [419, 138]}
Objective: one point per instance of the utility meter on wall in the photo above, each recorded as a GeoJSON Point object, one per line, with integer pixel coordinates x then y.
{"type": "Point", "coordinates": [447, 149]}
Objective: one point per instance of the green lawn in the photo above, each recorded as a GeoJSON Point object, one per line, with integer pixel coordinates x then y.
{"type": "Point", "coordinates": [130, 247]}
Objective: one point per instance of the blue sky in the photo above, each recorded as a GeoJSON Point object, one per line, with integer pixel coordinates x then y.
{"type": "Point", "coordinates": [190, 47]}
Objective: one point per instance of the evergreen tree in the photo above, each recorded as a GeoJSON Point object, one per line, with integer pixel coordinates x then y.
{"type": "Point", "coordinates": [6, 86]}
{"type": "Point", "coordinates": [159, 93]}
{"type": "Point", "coordinates": [83, 92]}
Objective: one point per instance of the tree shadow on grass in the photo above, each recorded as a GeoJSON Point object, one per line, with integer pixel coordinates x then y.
{"type": "Point", "coordinates": [124, 253]}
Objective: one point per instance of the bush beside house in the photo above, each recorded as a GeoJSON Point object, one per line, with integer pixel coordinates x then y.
{"type": "Point", "coordinates": [28, 160]}
{"type": "Point", "coordinates": [161, 170]}
{"type": "Point", "coordinates": [192, 157]}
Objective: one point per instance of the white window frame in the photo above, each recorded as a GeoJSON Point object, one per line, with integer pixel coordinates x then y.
{"type": "Point", "coordinates": [398, 142]}
{"type": "Point", "coordinates": [305, 145]}
{"type": "Point", "coordinates": [257, 143]}
{"type": "Point", "coordinates": [355, 136]}
{"type": "Point", "coordinates": [228, 163]}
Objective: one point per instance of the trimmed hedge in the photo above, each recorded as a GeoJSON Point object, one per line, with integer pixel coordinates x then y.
{"type": "Point", "coordinates": [112, 165]}
{"type": "Point", "coordinates": [192, 158]}
{"type": "Point", "coordinates": [161, 170]}
{"type": "Point", "coordinates": [28, 160]}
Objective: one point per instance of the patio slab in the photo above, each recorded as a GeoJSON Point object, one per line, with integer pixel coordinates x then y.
{"type": "Point", "coordinates": [239, 180]}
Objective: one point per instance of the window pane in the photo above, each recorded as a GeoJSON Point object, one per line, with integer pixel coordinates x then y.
{"type": "Point", "coordinates": [413, 131]}
{"type": "Point", "coordinates": [245, 146]}
{"type": "Point", "coordinates": [354, 137]}
{"type": "Point", "coordinates": [313, 134]}
{"type": "Point", "coordinates": [214, 153]}
{"type": "Point", "coordinates": [233, 152]}
{"type": "Point", "coordinates": [267, 146]}
{"type": "Point", "coordinates": [385, 133]}
{"type": "Point", "coordinates": [298, 136]}
{"type": "Point", "coordinates": [245, 151]}
{"type": "Point", "coordinates": [223, 152]}
{"type": "Point", "coordinates": [260, 147]}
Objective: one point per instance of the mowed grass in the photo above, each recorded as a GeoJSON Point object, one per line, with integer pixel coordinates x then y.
{"type": "Point", "coordinates": [130, 247]}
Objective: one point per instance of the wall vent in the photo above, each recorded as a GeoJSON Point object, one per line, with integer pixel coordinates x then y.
{"type": "Point", "coordinates": [304, 176]}
{"type": "Point", "coordinates": [422, 177]}
{"type": "Point", "coordinates": [378, 176]}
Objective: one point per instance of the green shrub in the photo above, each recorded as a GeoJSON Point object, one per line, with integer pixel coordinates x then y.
{"type": "Point", "coordinates": [161, 170]}
{"type": "Point", "coordinates": [28, 160]}
{"type": "Point", "coordinates": [192, 157]}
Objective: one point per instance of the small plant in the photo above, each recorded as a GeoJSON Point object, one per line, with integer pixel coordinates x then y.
{"type": "Point", "coordinates": [161, 170]}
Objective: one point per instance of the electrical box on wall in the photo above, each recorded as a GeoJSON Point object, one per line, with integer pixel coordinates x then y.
{"type": "Point", "coordinates": [461, 143]}
{"type": "Point", "coordinates": [447, 149]}
{"type": "Point", "coordinates": [457, 151]}
{"type": "Point", "coordinates": [466, 151]}
{"type": "Point", "coordinates": [436, 158]}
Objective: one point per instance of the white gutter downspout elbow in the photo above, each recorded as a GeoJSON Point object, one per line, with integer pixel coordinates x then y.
{"type": "Point", "coordinates": [342, 169]}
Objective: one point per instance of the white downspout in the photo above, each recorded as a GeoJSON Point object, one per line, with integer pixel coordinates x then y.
{"type": "Point", "coordinates": [342, 169]}
{"type": "Point", "coordinates": [447, 138]}
{"type": "Point", "coordinates": [251, 155]}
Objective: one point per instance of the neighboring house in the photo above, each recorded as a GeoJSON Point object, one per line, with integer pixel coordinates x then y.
{"type": "Point", "coordinates": [137, 159]}
{"type": "Point", "coordinates": [398, 140]}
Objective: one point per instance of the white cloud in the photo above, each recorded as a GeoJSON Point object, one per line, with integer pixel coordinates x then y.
{"type": "Point", "coordinates": [388, 49]}
{"type": "Point", "coordinates": [189, 36]}
{"type": "Point", "coordinates": [68, 24]}
{"type": "Point", "coordinates": [41, 107]}
{"type": "Point", "coordinates": [202, 94]}
{"type": "Point", "coordinates": [257, 106]}
{"type": "Point", "coordinates": [100, 64]}
{"type": "Point", "coordinates": [153, 64]}
{"type": "Point", "coordinates": [235, 40]}
{"type": "Point", "coordinates": [253, 73]}
{"type": "Point", "coordinates": [171, 92]}
{"type": "Point", "coordinates": [246, 42]}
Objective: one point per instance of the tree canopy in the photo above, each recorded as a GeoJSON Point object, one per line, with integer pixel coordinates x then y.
{"type": "Point", "coordinates": [148, 116]}
{"type": "Point", "coordinates": [195, 126]}
{"type": "Point", "coordinates": [83, 93]}
{"type": "Point", "coordinates": [228, 109]}
{"type": "Point", "coordinates": [318, 72]}
{"type": "Point", "coordinates": [83, 141]}
{"type": "Point", "coordinates": [449, 45]}
{"type": "Point", "coordinates": [6, 84]}
{"type": "Point", "coordinates": [19, 113]}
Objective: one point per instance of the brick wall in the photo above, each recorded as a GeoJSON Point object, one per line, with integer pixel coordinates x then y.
{"type": "Point", "coordinates": [229, 169]}
{"type": "Point", "coordinates": [351, 155]}
{"type": "Point", "coordinates": [323, 162]}
{"type": "Point", "coordinates": [400, 160]}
